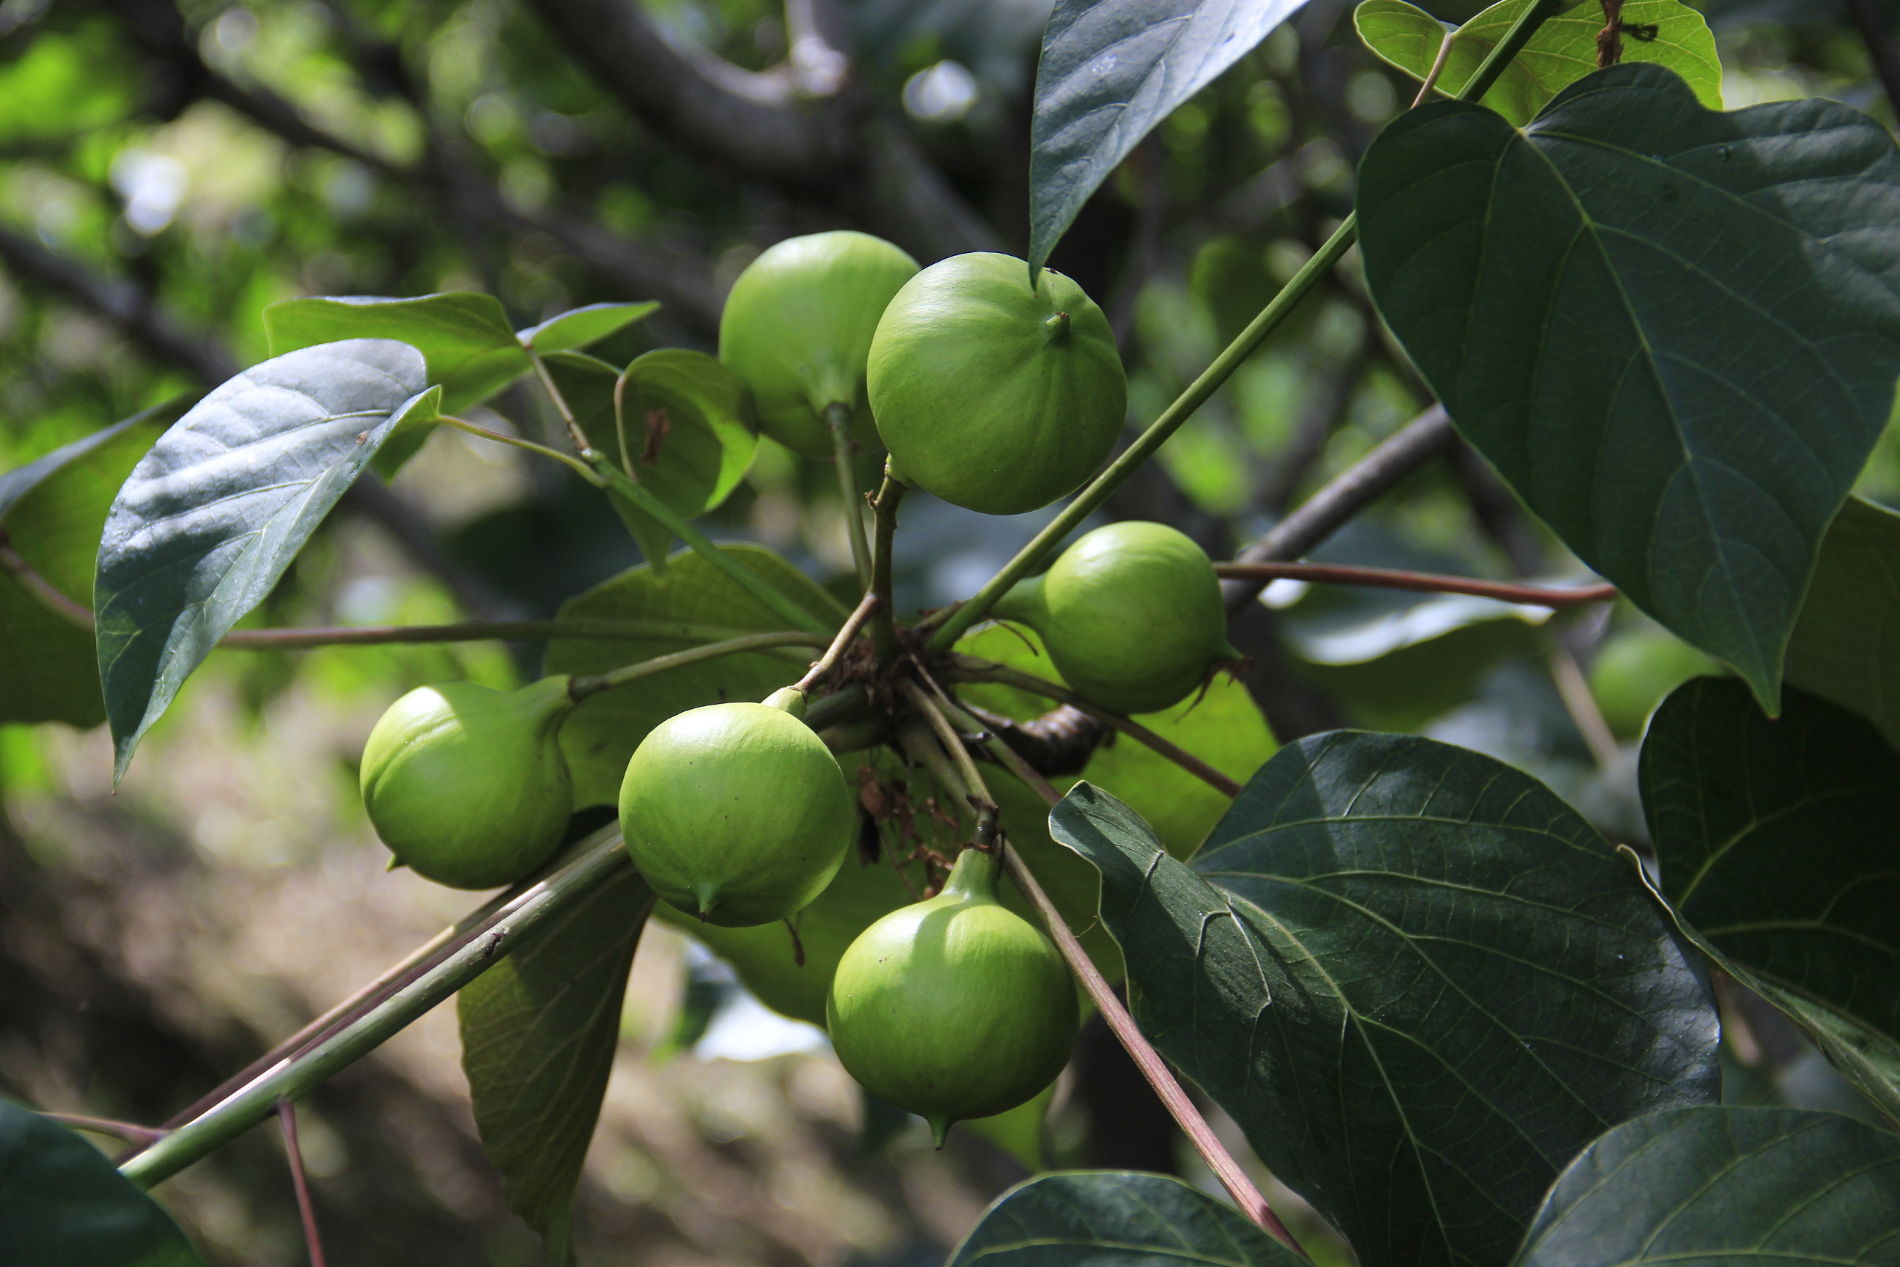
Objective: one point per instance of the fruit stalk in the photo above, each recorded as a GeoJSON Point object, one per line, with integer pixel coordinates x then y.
{"type": "Point", "coordinates": [952, 624]}
{"type": "Point", "coordinates": [884, 511]}
{"type": "Point", "coordinates": [851, 497]}
{"type": "Point", "coordinates": [510, 923]}
{"type": "Point", "coordinates": [822, 667]}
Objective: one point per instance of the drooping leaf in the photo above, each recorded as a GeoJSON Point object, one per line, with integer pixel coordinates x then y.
{"type": "Point", "coordinates": [463, 336]}
{"type": "Point", "coordinates": [1110, 71]}
{"type": "Point", "coordinates": [1776, 843]}
{"type": "Point", "coordinates": [687, 436]}
{"type": "Point", "coordinates": [1563, 50]}
{"type": "Point", "coordinates": [51, 513]}
{"type": "Point", "coordinates": [538, 1036]}
{"type": "Point", "coordinates": [1115, 1219]}
{"type": "Point", "coordinates": [1721, 1184]}
{"type": "Point", "coordinates": [1392, 948]}
{"type": "Point", "coordinates": [61, 1202]}
{"type": "Point", "coordinates": [212, 516]}
{"type": "Point", "coordinates": [1846, 646]}
{"type": "Point", "coordinates": [1674, 332]}
{"type": "Point", "coordinates": [579, 327]}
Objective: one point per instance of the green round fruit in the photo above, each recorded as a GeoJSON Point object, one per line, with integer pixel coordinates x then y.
{"type": "Point", "coordinates": [953, 1008]}
{"type": "Point", "coordinates": [797, 328]}
{"type": "Point", "coordinates": [1635, 669]}
{"type": "Point", "coordinates": [1131, 615]}
{"type": "Point", "coordinates": [989, 394]}
{"type": "Point", "coordinates": [466, 784]}
{"type": "Point", "coordinates": [736, 813]}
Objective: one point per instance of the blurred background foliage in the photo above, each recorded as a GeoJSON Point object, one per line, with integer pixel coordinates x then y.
{"type": "Point", "coordinates": [167, 170]}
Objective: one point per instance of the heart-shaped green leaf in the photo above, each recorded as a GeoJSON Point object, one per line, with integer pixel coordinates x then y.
{"type": "Point", "coordinates": [538, 1036]}
{"type": "Point", "coordinates": [1392, 948]}
{"type": "Point", "coordinates": [1674, 332]}
{"type": "Point", "coordinates": [1846, 646]}
{"type": "Point", "coordinates": [1561, 51]}
{"type": "Point", "coordinates": [1776, 843]}
{"type": "Point", "coordinates": [61, 1202]}
{"type": "Point", "coordinates": [1110, 71]}
{"type": "Point", "coordinates": [1720, 1185]}
{"type": "Point", "coordinates": [212, 516]}
{"type": "Point", "coordinates": [1115, 1219]}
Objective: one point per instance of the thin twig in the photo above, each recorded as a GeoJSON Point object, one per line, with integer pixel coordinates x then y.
{"type": "Point", "coordinates": [1423, 582]}
{"type": "Point", "coordinates": [287, 1115]}
{"type": "Point", "coordinates": [1574, 689]}
{"type": "Point", "coordinates": [975, 790]}
{"type": "Point", "coordinates": [575, 435]}
{"type": "Point", "coordinates": [44, 590]}
{"type": "Point", "coordinates": [1438, 68]}
{"type": "Point", "coordinates": [1153, 1068]}
{"type": "Point", "coordinates": [582, 687]}
{"type": "Point", "coordinates": [822, 667]}
{"type": "Point", "coordinates": [581, 468]}
{"type": "Point", "coordinates": [851, 497]}
{"type": "Point", "coordinates": [965, 668]}
{"type": "Point", "coordinates": [1319, 516]}
{"type": "Point", "coordinates": [130, 1132]}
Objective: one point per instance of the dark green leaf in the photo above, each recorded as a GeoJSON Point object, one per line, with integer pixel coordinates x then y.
{"type": "Point", "coordinates": [1110, 71]}
{"type": "Point", "coordinates": [462, 335]}
{"type": "Point", "coordinates": [1846, 646]}
{"type": "Point", "coordinates": [1674, 332]}
{"type": "Point", "coordinates": [1115, 1219]}
{"type": "Point", "coordinates": [51, 514]}
{"type": "Point", "coordinates": [1776, 843]}
{"type": "Point", "coordinates": [687, 435]}
{"type": "Point", "coordinates": [538, 1036]}
{"type": "Point", "coordinates": [581, 326]}
{"type": "Point", "coordinates": [1720, 1185]}
{"type": "Point", "coordinates": [212, 516]}
{"type": "Point", "coordinates": [63, 1205]}
{"type": "Point", "coordinates": [1561, 51]}
{"type": "Point", "coordinates": [1394, 949]}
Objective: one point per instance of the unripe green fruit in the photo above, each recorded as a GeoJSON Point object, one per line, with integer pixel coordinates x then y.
{"type": "Point", "coordinates": [1131, 615]}
{"type": "Point", "coordinates": [797, 328]}
{"type": "Point", "coordinates": [1635, 669]}
{"type": "Point", "coordinates": [953, 1008]}
{"type": "Point", "coordinates": [736, 813]}
{"type": "Point", "coordinates": [466, 784]}
{"type": "Point", "coordinates": [992, 395]}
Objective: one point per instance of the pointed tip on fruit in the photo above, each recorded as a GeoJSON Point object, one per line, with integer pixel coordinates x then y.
{"type": "Point", "coordinates": [939, 1127]}
{"type": "Point", "coordinates": [706, 899]}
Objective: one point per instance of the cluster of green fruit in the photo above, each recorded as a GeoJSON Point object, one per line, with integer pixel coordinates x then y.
{"type": "Point", "coordinates": [990, 393]}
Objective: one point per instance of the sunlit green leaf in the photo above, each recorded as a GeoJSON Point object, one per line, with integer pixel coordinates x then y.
{"type": "Point", "coordinates": [463, 336]}
{"type": "Point", "coordinates": [1561, 51]}
{"type": "Point", "coordinates": [579, 327]}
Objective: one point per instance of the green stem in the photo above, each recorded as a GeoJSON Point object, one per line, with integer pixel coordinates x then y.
{"type": "Point", "coordinates": [512, 924]}
{"type": "Point", "coordinates": [502, 437]}
{"type": "Point", "coordinates": [582, 687]}
{"type": "Point", "coordinates": [884, 511]}
{"type": "Point", "coordinates": [575, 435]}
{"type": "Point", "coordinates": [638, 497]}
{"type": "Point", "coordinates": [838, 422]}
{"type": "Point", "coordinates": [950, 625]}
{"type": "Point", "coordinates": [822, 667]}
